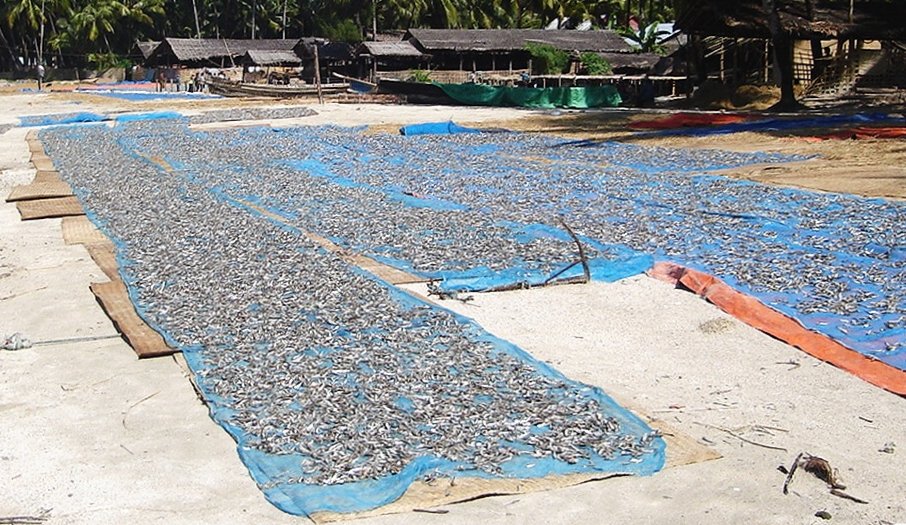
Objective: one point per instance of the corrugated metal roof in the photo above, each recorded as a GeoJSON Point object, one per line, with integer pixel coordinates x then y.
{"type": "Point", "coordinates": [432, 40]}
{"type": "Point", "coordinates": [259, 57]}
{"type": "Point", "coordinates": [391, 49]}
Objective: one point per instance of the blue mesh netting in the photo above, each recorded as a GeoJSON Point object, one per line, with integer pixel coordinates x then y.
{"type": "Point", "coordinates": [834, 262]}
{"type": "Point", "coordinates": [112, 204]}
{"type": "Point", "coordinates": [141, 96]}
{"type": "Point", "coordinates": [60, 119]}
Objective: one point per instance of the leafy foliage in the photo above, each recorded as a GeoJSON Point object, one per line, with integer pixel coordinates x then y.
{"type": "Point", "coordinates": [595, 64]}
{"type": "Point", "coordinates": [342, 31]}
{"type": "Point", "coordinates": [68, 33]}
{"type": "Point", "coordinates": [420, 75]}
{"type": "Point", "coordinates": [546, 59]}
{"type": "Point", "coordinates": [102, 61]}
{"type": "Point", "coordinates": [646, 39]}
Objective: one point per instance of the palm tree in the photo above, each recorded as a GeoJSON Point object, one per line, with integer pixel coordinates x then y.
{"type": "Point", "coordinates": [25, 17]}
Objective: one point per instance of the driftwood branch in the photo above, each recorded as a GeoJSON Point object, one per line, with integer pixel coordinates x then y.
{"type": "Point", "coordinates": [582, 257]}
{"type": "Point", "coordinates": [789, 475]}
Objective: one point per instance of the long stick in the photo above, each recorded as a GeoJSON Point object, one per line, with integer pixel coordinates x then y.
{"type": "Point", "coordinates": [582, 258]}
{"type": "Point", "coordinates": [318, 75]}
{"type": "Point", "coordinates": [789, 475]}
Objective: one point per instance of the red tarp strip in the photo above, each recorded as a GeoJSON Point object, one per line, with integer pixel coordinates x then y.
{"type": "Point", "coordinates": [864, 133]}
{"type": "Point", "coordinates": [688, 120]}
{"type": "Point", "coordinates": [754, 313]}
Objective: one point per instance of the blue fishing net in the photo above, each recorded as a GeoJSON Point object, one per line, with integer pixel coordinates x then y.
{"type": "Point", "coordinates": [834, 262]}
{"type": "Point", "coordinates": [287, 339]}
{"type": "Point", "coordinates": [60, 119]}
{"type": "Point", "coordinates": [141, 96]}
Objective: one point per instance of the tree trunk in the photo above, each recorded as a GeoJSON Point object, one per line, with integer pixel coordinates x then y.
{"type": "Point", "coordinates": [783, 58]}
{"type": "Point", "coordinates": [53, 29]}
{"type": "Point", "coordinates": [14, 64]}
{"type": "Point", "coordinates": [254, 8]}
{"type": "Point", "coordinates": [197, 26]}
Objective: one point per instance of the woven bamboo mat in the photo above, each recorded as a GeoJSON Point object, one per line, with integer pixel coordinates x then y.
{"type": "Point", "coordinates": [80, 230]}
{"type": "Point", "coordinates": [681, 450]}
{"type": "Point", "coordinates": [42, 162]}
{"type": "Point", "coordinates": [104, 255]}
{"type": "Point", "coordinates": [45, 176]}
{"type": "Point", "coordinates": [49, 208]}
{"type": "Point", "coordinates": [39, 190]}
{"type": "Point", "coordinates": [114, 299]}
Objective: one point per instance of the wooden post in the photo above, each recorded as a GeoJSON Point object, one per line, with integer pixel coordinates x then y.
{"type": "Point", "coordinates": [767, 58]}
{"type": "Point", "coordinates": [723, 64]}
{"type": "Point", "coordinates": [736, 80]}
{"type": "Point", "coordinates": [318, 76]}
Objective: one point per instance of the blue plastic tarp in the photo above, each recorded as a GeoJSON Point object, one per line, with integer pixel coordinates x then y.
{"type": "Point", "coordinates": [436, 128]}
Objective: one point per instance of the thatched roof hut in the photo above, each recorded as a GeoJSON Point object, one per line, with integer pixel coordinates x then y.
{"type": "Point", "coordinates": [510, 40]}
{"type": "Point", "coordinates": [207, 51]}
{"type": "Point", "coordinates": [382, 50]}
{"type": "Point", "coordinates": [268, 58]}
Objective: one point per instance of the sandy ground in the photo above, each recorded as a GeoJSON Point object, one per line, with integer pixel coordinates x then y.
{"type": "Point", "coordinates": [92, 435]}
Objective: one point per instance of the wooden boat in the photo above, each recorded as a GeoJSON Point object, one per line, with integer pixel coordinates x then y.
{"type": "Point", "coordinates": [230, 88]}
{"type": "Point", "coordinates": [415, 92]}
{"type": "Point", "coordinates": [356, 84]}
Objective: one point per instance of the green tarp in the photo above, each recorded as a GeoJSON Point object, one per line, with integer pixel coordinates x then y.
{"type": "Point", "coordinates": [557, 97]}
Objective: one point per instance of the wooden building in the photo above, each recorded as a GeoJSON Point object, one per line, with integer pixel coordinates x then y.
{"type": "Point", "coordinates": [504, 50]}
{"type": "Point", "coordinates": [834, 31]}
{"type": "Point", "coordinates": [276, 67]}
{"type": "Point", "coordinates": [208, 52]}
{"type": "Point", "coordinates": [332, 57]}
{"type": "Point", "coordinates": [380, 57]}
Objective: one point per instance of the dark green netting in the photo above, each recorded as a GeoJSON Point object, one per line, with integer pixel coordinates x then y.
{"type": "Point", "coordinates": [555, 97]}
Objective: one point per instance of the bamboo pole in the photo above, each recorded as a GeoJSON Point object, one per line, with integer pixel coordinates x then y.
{"type": "Point", "coordinates": [318, 75]}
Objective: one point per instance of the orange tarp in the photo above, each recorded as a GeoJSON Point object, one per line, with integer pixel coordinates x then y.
{"type": "Point", "coordinates": [688, 120]}
{"type": "Point", "coordinates": [756, 314]}
{"type": "Point", "coordinates": [862, 133]}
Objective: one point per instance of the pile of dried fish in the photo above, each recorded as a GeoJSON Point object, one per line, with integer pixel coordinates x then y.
{"type": "Point", "coordinates": [472, 204]}
{"type": "Point", "coordinates": [265, 113]}
{"type": "Point", "coordinates": [300, 354]}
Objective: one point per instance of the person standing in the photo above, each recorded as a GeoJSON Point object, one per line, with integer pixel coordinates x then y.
{"type": "Point", "coordinates": [40, 77]}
